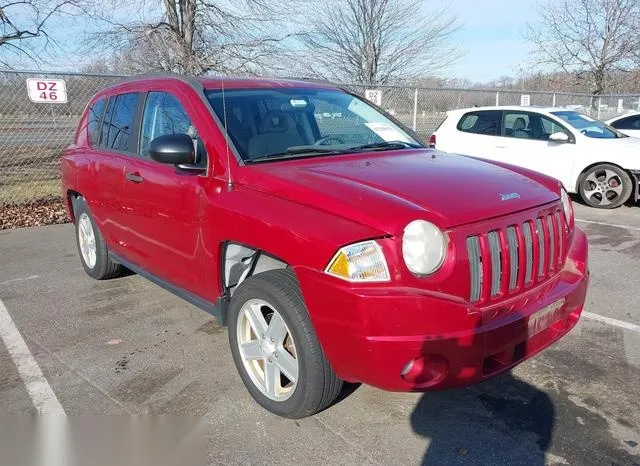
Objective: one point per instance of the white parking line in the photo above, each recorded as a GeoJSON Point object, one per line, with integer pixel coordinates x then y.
{"type": "Point", "coordinates": [610, 321]}
{"type": "Point", "coordinates": [42, 396]}
{"type": "Point", "coordinates": [13, 280]}
{"type": "Point", "coordinates": [616, 225]}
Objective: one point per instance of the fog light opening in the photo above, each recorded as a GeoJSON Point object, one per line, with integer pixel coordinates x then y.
{"type": "Point", "coordinates": [407, 367]}
{"type": "Point", "coordinates": [424, 371]}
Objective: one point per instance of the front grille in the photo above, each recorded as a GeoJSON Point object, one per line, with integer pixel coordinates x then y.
{"type": "Point", "coordinates": [503, 261]}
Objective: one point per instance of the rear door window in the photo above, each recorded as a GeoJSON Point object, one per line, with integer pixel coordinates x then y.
{"type": "Point", "coordinates": [483, 122]}
{"type": "Point", "coordinates": [516, 125]}
{"type": "Point", "coordinates": [121, 124]}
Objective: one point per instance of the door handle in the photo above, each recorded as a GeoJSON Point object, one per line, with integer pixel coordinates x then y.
{"type": "Point", "coordinates": [501, 147]}
{"type": "Point", "coordinates": [134, 177]}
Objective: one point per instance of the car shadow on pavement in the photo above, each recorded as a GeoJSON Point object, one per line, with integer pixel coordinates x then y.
{"type": "Point", "coordinates": [347, 390]}
{"type": "Point", "coordinates": [503, 420]}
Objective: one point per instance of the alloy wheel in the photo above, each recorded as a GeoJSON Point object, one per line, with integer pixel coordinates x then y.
{"type": "Point", "coordinates": [87, 241]}
{"type": "Point", "coordinates": [603, 187]}
{"type": "Point", "coordinates": [267, 349]}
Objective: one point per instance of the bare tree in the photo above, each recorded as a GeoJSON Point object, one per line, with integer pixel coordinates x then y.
{"type": "Point", "coordinates": [378, 41]}
{"type": "Point", "coordinates": [197, 36]}
{"type": "Point", "coordinates": [592, 40]}
{"type": "Point", "coordinates": [25, 25]}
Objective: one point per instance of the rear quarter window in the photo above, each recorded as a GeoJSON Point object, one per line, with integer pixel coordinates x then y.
{"type": "Point", "coordinates": [632, 122]}
{"type": "Point", "coordinates": [96, 111]}
{"type": "Point", "coordinates": [487, 122]}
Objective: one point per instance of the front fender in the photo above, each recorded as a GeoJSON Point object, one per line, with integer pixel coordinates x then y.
{"type": "Point", "coordinates": [296, 234]}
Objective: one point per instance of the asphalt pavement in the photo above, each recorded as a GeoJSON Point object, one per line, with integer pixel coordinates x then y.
{"type": "Point", "coordinates": [127, 347]}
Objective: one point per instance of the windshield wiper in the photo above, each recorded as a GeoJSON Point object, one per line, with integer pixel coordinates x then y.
{"type": "Point", "coordinates": [304, 151]}
{"type": "Point", "coordinates": [386, 145]}
{"type": "Point", "coordinates": [292, 152]}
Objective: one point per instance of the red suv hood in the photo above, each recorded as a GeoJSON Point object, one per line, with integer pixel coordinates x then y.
{"type": "Point", "coordinates": [387, 190]}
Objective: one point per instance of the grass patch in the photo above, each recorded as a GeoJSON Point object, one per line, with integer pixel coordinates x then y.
{"type": "Point", "coordinates": [29, 191]}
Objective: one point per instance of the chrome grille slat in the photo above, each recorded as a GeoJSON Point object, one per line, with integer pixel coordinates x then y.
{"type": "Point", "coordinates": [552, 241]}
{"type": "Point", "coordinates": [496, 264]}
{"type": "Point", "coordinates": [560, 234]}
{"type": "Point", "coordinates": [539, 240]}
{"type": "Point", "coordinates": [528, 247]}
{"type": "Point", "coordinates": [514, 257]}
{"type": "Point", "coordinates": [475, 264]}
{"type": "Point", "coordinates": [541, 246]}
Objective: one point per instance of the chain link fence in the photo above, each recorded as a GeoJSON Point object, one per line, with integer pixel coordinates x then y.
{"type": "Point", "coordinates": [32, 135]}
{"type": "Point", "coordinates": [423, 109]}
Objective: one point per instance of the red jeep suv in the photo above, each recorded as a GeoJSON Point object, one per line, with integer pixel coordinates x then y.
{"type": "Point", "coordinates": [333, 244]}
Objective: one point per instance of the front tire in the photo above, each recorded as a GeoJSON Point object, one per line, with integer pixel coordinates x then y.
{"type": "Point", "coordinates": [605, 186]}
{"type": "Point", "coordinates": [275, 347]}
{"type": "Point", "coordinates": [92, 249]}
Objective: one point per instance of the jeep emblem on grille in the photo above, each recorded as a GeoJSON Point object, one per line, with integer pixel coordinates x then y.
{"type": "Point", "coordinates": [509, 196]}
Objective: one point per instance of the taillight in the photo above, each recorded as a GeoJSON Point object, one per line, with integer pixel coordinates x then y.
{"type": "Point", "coordinates": [432, 140]}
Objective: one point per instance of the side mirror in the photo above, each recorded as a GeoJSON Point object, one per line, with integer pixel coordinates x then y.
{"type": "Point", "coordinates": [559, 137]}
{"type": "Point", "coordinates": [175, 149]}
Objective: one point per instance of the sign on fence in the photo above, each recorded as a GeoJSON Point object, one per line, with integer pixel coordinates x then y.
{"type": "Point", "coordinates": [373, 95]}
{"type": "Point", "coordinates": [525, 100]}
{"type": "Point", "coordinates": [620, 105]}
{"type": "Point", "coordinates": [47, 90]}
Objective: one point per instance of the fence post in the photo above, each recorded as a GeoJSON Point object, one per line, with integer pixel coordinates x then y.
{"type": "Point", "coordinates": [415, 109]}
{"type": "Point", "coordinates": [554, 101]}
{"type": "Point", "coordinates": [639, 103]}
{"type": "Point", "coordinates": [599, 105]}
{"type": "Point", "coordinates": [497, 98]}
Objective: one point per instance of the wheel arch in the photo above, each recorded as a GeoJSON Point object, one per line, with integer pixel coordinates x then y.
{"type": "Point", "coordinates": [239, 261]}
{"type": "Point", "coordinates": [70, 200]}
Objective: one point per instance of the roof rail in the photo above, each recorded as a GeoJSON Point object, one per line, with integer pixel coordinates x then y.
{"type": "Point", "coordinates": [310, 79]}
{"type": "Point", "coordinates": [191, 81]}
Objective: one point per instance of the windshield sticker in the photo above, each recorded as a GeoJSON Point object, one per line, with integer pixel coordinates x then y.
{"type": "Point", "coordinates": [387, 132]}
{"type": "Point", "coordinates": [298, 103]}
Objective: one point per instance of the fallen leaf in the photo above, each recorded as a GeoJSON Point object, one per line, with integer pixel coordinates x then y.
{"type": "Point", "coordinates": [49, 211]}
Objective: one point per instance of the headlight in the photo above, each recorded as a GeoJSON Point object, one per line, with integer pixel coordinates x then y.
{"type": "Point", "coordinates": [423, 247]}
{"type": "Point", "coordinates": [360, 262]}
{"type": "Point", "coordinates": [567, 205]}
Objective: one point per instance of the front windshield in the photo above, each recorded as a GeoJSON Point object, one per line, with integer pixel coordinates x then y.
{"type": "Point", "coordinates": [588, 126]}
{"type": "Point", "coordinates": [277, 123]}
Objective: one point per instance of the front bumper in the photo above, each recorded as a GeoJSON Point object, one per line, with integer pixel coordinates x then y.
{"type": "Point", "coordinates": [373, 334]}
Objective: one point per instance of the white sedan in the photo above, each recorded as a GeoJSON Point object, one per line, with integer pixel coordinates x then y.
{"type": "Point", "coordinates": [628, 124]}
{"type": "Point", "coordinates": [589, 157]}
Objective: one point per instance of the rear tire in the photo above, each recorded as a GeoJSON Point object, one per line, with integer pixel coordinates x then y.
{"type": "Point", "coordinates": [92, 249]}
{"type": "Point", "coordinates": [605, 186]}
{"type": "Point", "coordinates": [264, 302]}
